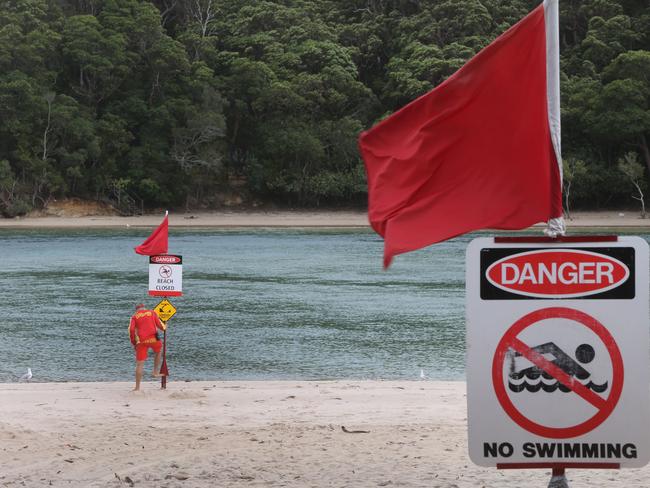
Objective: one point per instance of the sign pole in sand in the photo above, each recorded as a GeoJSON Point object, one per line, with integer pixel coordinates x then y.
{"type": "Point", "coordinates": [558, 352]}
{"type": "Point", "coordinates": [165, 280]}
{"type": "Point", "coordinates": [558, 479]}
{"type": "Point", "coordinates": [165, 311]}
{"type": "Point", "coordinates": [163, 368]}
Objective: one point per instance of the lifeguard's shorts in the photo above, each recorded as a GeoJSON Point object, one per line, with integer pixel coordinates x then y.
{"type": "Point", "coordinates": [141, 350]}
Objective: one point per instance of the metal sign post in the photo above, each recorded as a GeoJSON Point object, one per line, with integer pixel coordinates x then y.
{"type": "Point", "coordinates": [165, 311]}
{"type": "Point", "coordinates": [558, 479]}
{"type": "Point", "coordinates": [165, 280]}
{"type": "Point", "coordinates": [163, 367]}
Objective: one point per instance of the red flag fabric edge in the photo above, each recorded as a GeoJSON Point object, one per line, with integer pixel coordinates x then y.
{"type": "Point", "coordinates": [481, 150]}
{"type": "Point", "coordinates": [157, 242]}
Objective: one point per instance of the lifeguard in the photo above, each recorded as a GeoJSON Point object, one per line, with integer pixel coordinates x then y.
{"type": "Point", "coordinates": [143, 331]}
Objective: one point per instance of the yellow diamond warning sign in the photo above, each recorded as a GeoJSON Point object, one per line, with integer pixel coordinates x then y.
{"type": "Point", "coordinates": [165, 310]}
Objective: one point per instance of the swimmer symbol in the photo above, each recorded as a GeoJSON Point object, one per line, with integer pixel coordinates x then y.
{"type": "Point", "coordinates": [534, 379]}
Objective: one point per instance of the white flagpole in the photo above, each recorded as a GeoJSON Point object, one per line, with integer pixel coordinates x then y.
{"type": "Point", "coordinates": [554, 226]}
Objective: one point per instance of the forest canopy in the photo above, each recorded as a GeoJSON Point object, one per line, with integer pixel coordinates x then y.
{"type": "Point", "coordinates": [205, 103]}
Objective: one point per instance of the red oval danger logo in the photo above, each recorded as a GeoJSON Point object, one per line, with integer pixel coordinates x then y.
{"type": "Point", "coordinates": [169, 259]}
{"type": "Point", "coordinates": [557, 273]}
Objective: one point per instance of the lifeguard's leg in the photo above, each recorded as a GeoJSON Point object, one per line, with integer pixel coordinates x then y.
{"type": "Point", "coordinates": [156, 364]}
{"type": "Point", "coordinates": [139, 369]}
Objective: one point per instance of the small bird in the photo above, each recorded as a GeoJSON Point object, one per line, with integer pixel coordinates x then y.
{"type": "Point", "coordinates": [27, 376]}
{"type": "Point", "coordinates": [422, 375]}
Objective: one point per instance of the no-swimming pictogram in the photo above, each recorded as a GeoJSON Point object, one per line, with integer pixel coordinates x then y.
{"type": "Point", "coordinates": [561, 373]}
{"type": "Point", "coordinates": [534, 378]}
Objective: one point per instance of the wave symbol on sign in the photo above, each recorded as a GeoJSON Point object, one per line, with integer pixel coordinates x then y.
{"type": "Point", "coordinates": [534, 379]}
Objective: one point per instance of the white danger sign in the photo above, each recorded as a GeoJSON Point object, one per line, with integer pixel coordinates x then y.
{"type": "Point", "coordinates": [558, 352]}
{"type": "Point", "coordinates": [166, 275]}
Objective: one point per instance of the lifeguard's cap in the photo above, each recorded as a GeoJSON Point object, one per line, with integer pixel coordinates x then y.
{"type": "Point", "coordinates": [139, 306]}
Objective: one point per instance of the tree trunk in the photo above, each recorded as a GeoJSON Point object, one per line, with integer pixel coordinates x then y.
{"type": "Point", "coordinates": [49, 98]}
{"type": "Point", "coordinates": [641, 199]}
{"type": "Point", "coordinates": [567, 193]}
{"type": "Point", "coordinates": [645, 150]}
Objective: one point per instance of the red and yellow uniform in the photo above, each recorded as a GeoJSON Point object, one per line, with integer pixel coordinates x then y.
{"type": "Point", "coordinates": [142, 330]}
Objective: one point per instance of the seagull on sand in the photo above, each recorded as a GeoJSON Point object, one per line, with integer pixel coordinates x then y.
{"type": "Point", "coordinates": [422, 375]}
{"type": "Point", "coordinates": [27, 376]}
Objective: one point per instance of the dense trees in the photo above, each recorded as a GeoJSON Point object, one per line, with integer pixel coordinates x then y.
{"type": "Point", "coordinates": [189, 102]}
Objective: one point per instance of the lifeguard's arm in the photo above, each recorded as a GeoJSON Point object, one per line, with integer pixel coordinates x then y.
{"type": "Point", "coordinates": [132, 331]}
{"type": "Point", "coordinates": [159, 322]}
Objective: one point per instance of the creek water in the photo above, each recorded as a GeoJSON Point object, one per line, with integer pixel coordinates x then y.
{"type": "Point", "coordinates": [257, 304]}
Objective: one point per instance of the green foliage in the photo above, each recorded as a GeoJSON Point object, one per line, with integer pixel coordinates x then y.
{"type": "Point", "coordinates": [169, 103]}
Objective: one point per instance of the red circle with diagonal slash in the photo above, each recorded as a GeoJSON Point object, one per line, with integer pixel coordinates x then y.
{"type": "Point", "coordinates": [605, 406]}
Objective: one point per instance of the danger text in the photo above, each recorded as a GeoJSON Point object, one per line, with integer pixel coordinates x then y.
{"type": "Point", "coordinates": [599, 273]}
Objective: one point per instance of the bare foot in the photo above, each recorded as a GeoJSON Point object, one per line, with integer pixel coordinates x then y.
{"type": "Point", "coordinates": [157, 375]}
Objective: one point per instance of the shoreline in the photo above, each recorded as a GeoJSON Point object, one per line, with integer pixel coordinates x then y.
{"type": "Point", "coordinates": [281, 219]}
{"type": "Point", "coordinates": [252, 433]}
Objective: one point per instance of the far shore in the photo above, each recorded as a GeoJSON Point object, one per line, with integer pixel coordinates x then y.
{"type": "Point", "coordinates": [280, 219]}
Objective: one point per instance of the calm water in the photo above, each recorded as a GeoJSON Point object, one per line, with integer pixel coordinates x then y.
{"type": "Point", "coordinates": [258, 304]}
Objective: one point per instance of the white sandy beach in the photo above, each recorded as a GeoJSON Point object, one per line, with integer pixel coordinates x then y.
{"type": "Point", "coordinates": [70, 217]}
{"type": "Point", "coordinates": [264, 433]}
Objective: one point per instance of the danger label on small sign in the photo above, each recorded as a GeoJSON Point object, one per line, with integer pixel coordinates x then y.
{"type": "Point", "coordinates": [557, 353]}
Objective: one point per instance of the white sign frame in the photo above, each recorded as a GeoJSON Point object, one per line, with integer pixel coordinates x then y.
{"type": "Point", "coordinates": [166, 275]}
{"type": "Point", "coordinates": [503, 436]}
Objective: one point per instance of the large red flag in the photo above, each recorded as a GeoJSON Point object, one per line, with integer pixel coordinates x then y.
{"type": "Point", "coordinates": [157, 242]}
{"type": "Point", "coordinates": [481, 150]}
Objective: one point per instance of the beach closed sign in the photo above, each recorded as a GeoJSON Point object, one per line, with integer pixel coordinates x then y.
{"type": "Point", "coordinates": [166, 275]}
{"type": "Point", "coordinates": [558, 352]}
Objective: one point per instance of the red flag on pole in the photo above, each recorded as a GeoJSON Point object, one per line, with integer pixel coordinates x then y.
{"type": "Point", "coordinates": [157, 242]}
{"type": "Point", "coordinates": [481, 150]}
